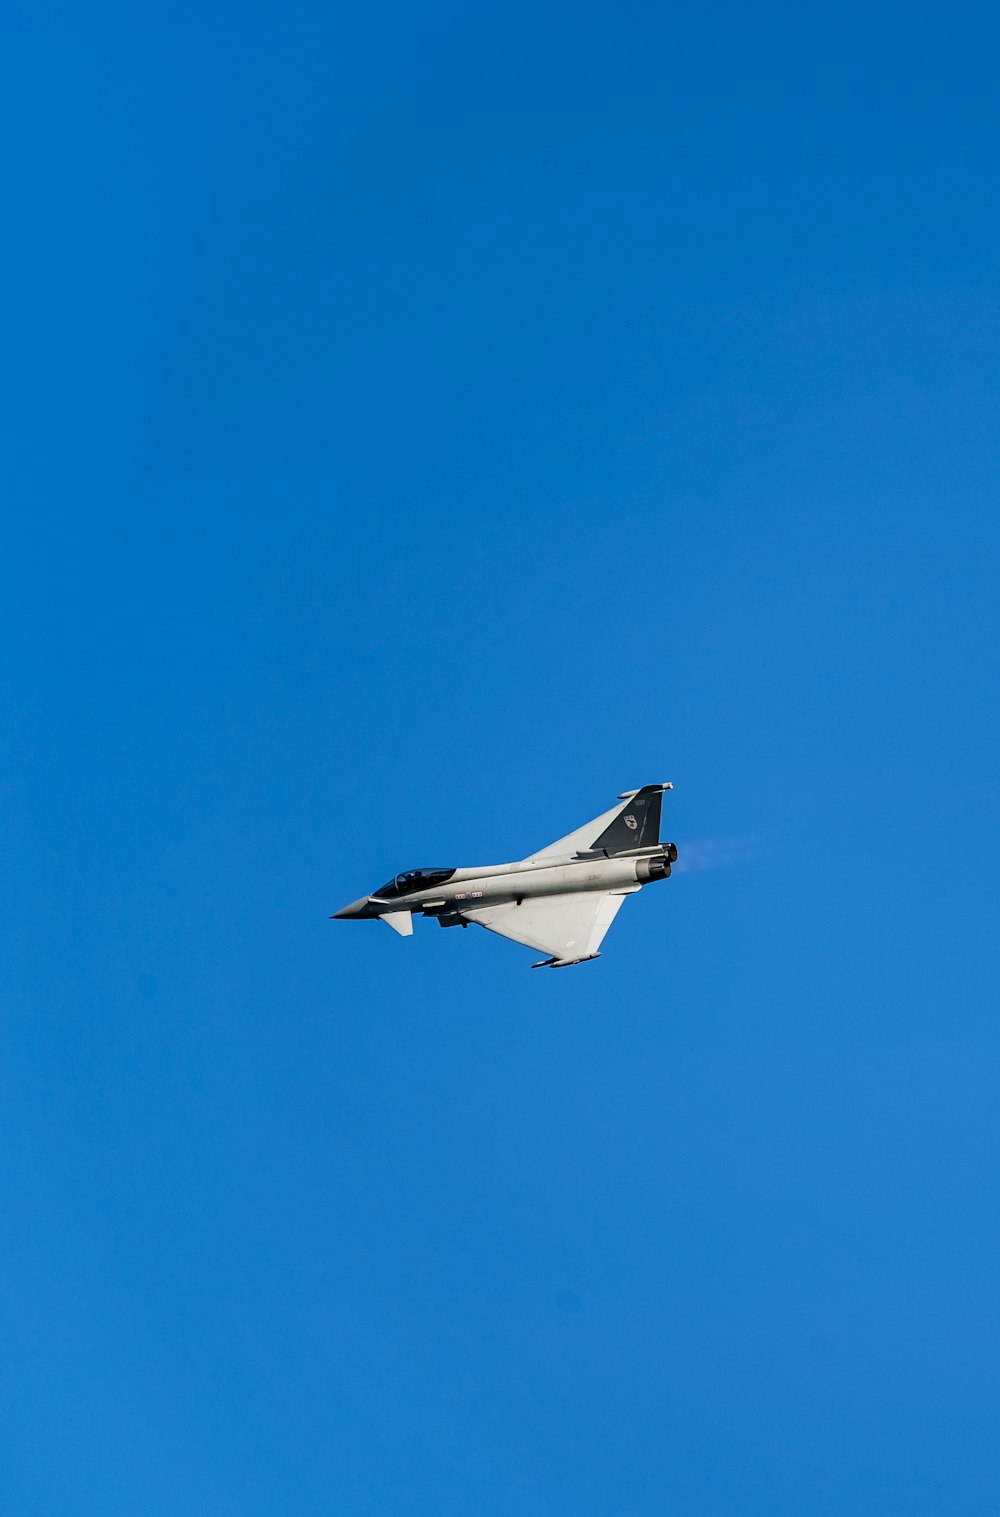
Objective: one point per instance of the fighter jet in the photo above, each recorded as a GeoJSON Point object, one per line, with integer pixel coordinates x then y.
{"type": "Point", "coordinates": [560, 900]}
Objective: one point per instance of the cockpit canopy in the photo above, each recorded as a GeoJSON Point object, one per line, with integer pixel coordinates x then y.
{"type": "Point", "coordinates": [414, 879]}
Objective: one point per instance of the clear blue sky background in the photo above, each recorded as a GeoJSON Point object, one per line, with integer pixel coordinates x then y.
{"type": "Point", "coordinates": [420, 425]}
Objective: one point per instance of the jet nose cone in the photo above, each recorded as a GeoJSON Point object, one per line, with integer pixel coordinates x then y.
{"type": "Point", "coordinates": [357, 908]}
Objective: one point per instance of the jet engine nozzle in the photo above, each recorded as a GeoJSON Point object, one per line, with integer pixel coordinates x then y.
{"type": "Point", "coordinates": [647, 870]}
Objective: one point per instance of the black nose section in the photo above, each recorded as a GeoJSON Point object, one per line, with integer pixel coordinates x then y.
{"type": "Point", "coordinates": [355, 909]}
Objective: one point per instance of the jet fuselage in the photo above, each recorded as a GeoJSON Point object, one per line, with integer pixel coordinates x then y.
{"type": "Point", "coordinates": [497, 883]}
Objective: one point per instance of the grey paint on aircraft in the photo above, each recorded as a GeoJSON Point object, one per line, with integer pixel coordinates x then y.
{"type": "Point", "coordinates": [561, 900]}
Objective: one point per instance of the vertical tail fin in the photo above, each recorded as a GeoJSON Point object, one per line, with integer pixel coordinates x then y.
{"type": "Point", "coordinates": [637, 824]}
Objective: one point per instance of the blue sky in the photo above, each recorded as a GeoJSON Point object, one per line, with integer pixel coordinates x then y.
{"type": "Point", "coordinates": [422, 425]}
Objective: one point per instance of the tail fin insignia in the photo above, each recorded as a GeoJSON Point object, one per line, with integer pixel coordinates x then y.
{"type": "Point", "coordinates": [637, 824]}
